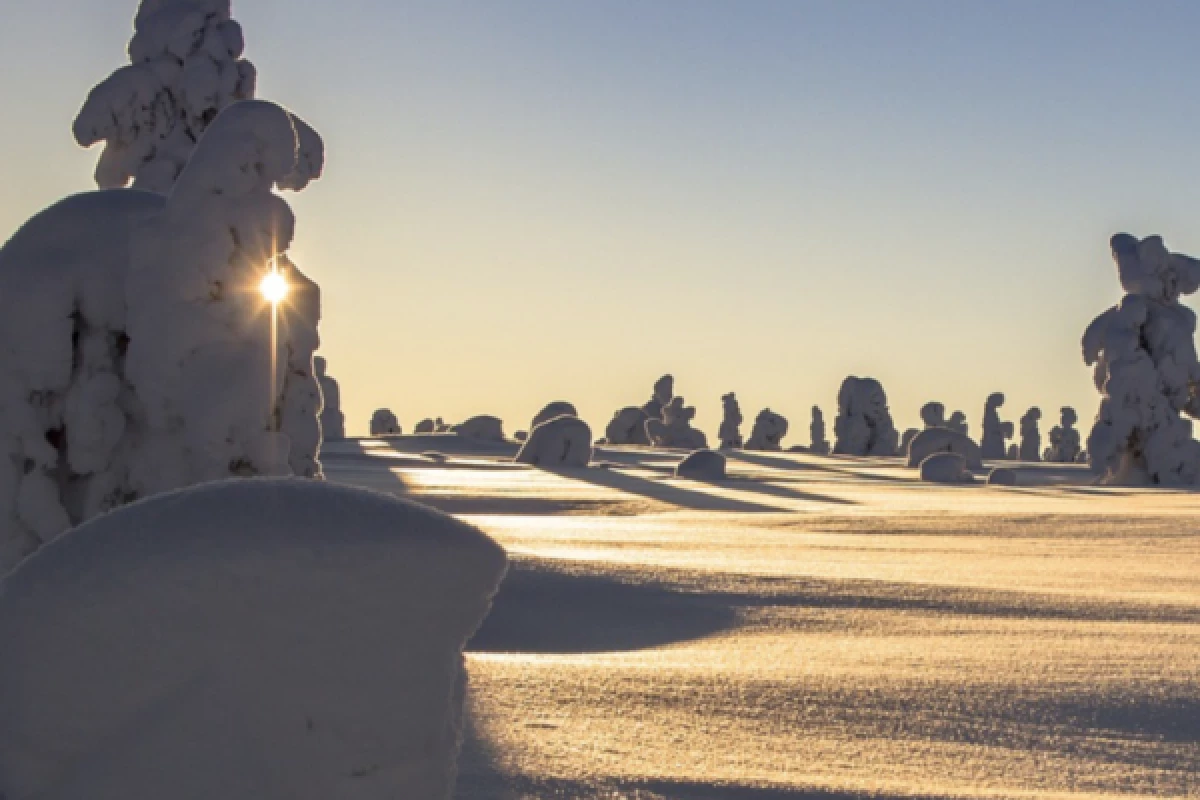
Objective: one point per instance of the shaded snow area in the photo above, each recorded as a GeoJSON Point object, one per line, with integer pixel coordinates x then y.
{"type": "Point", "coordinates": [240, 640]}
{"type": "Point", "coordinates": [818, 627]}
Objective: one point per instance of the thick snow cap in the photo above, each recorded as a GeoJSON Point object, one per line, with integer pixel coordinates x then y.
{"type": "Point", "coordinates": [559, 408]}
{"type": "Point", "coordinates": [943, 440]}
{"type": "Point", "coordinates": [864, 424]}
{"type": "Point", "coordinates": [240, 640]}
{"type": "Point", "coordinates": [564, 441]}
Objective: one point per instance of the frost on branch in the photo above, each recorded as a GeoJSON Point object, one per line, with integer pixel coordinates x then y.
{"type": "Point", "coordinates": [333, 422]}
{"type": "Point", "coordinates": [384, 423]}
{"type": "Point", "coordinates": [675, 428]}
{"type": "Point", "coordinates": [864, 425]}
{"type": "Point", "coordinates": [139, 351]}
{"type": "Point", "coordinates": [1031, 437]}
{"type": "Point", "coordinates": [730, 432]}
{"type": "Point", "coordinates": [1065, 446]}
{"type": "Point", "coordinates": [816, 430]}
{"type": "Point", "coordinates": [995, 433]}
{"type": "Point", "coordinates": [768, 432]}
{"type": "Point", "coordinates": [564, 441]}
{"type": "Point", "coordinates": [1146, 370]}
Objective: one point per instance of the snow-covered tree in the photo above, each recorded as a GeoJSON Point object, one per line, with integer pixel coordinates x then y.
{"type": "Point", "coordinates": [957, 422]}
{"type": "Point", "coordinates": [664, 390]}
{"type": "Point", "coordinates": [933, 415]}
{"type": "Point", "coordinates": [768, 432]}
{"type": "Point", "coordinates": [384, 423]}
{"type": "Point", "coordinates": [559, 408]}
{"type": "Point", "coordinates": [333, 421]}
{"type": "Point", "coordinates": [816, 429]}
{"type": "Point", "coordinates": [730, 432]}
{"type": "Point", "coordinates": [561, 441]}
{"type": "Point", "coordinates": [1146, 369]}
{"type": "Point", "coordinates": [483, 428]}
{"type": "Point", "coordinates": [675, 428]}
{"type": "Point", "coordinates": [628, 426]}
{"type": "Point", "coordinates": [864, 424]}
{"type": "Point", "coordinates": [1031, 437]}
{"type": "Point", "coordinates": [1065, 444]}
{"type": "Point", "coordinates": [943, 440]}
{"type": "Point", "coordinates": [995, 433]}
{"type": "Point", "coordinates": [139, 354]}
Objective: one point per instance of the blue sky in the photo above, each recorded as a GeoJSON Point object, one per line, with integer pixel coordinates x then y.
{"type": "Point", "coordinates": [528, 201]}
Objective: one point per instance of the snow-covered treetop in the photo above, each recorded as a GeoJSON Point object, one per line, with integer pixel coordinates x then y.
{"type": "Point", "coordinates": [1148, 269]}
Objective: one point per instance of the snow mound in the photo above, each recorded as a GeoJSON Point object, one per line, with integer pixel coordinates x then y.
{"type": "Point", "coordinates": [702, 465]}
{"type": "Point", "coordinates": [730, 432]}
{"type": "Point", "coordinates": [483, 428]}
{"type": "Point", "coordinates": [1031, 437]}
{"type": "Point", "coordinates": [768, 432]}
{"type": "Point", "coordinates": [384, 423]}
{"type": "Point", "coordinates": [1002, 476]}
{"type": "Point", "coordinates": [628, 426]}
{"type": "Point", "coordinates": [995, 433]}
{"type": "Point", "coordinates": [558, 408]}
{"type": "Point", "coordinates": [240, 640]}
{"type": "Point", "coordinates": [425, 426]}
{"type": "Point", "coordinates": [333, 422]}
{"type": "Point", "coordinates": [565, 441]}
{"type": "Point", "coordinates": [943, 440]}
{"type": "Point", "coordinates": [945, 468]}
{"type": "Point", "coordinates": [820, 445]}
{"type": "Point", "coordinates": [675, 428]}
{"type": "Point", "coordinates": [864, 424]}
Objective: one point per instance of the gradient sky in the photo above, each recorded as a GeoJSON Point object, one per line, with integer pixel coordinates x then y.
{"type": "Point", "coordinates": [531, 201]}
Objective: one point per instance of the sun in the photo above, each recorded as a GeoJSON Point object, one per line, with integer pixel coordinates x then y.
{"type": "Point", "coordinates": [274, 287]}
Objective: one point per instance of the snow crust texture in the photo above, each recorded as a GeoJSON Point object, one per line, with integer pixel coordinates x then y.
{"type": "Point", "coordinates": [564, 441]}
{"type": "Point", "coordinates": [483, 428]}
{"type": "Point", "coordinates": [239, 640]}
{"type": "Point", "coordinates": [1146, 370]}
{"type": "Point", "coordinates": [864, 424]}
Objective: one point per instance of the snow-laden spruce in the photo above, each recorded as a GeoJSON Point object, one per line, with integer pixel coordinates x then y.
{"type": "Point", "coordinates": [945, 467]}
{"type": "Point", "coordinates": [768, 432]}
{"type": "Point", "coordinates": [384, 423]}
{"type": "Point", "coordinates": [333, 422]}
{"type": "Point", "coordinates": [816, 430]}
{"type": "Point", "coordinates": [996, 434]}
{"type": "Point", "coordinates": [1065, 443]}
{"type": "Point", "coordinates": [943, 440]}
{"type": "Point", "coordinates": [664, 391]}
{"type": "Point", "coordinates": [730, 432]}
{"type": "Point", "coordinates": [628, 426]}
{"type": "Point", "coordinates": [675, 428]}
{"type": "Point", "coordinates": [864, 424]}
{"type": "Point", "coordinates": [933, 414]}
{"type": "Point", "coordinates": [1031, 437]}
{"type": "Point", "coordinates": [241, 640]}
{"type": "Point", "coordinates": [138, 352]}
{"type": "Point", "coordinates": [564, 441]}
{"type": "Point", "coordinates": [702, 465]}
{"type": "Point", "coordinates": [559, 408]}
{"type": "Point", "coordinates": [185, 67]}
{"type": "Point", "coordinates": [1146, 369]}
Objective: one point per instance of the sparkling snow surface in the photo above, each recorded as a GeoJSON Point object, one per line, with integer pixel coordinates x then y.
{"type": "Point", "coordinates": [817, 627]}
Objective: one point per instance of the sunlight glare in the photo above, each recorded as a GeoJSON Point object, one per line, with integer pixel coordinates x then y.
{"type": "Point", "coordinates": [274, 287]}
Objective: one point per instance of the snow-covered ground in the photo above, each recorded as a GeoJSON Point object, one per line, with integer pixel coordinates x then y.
{"type": "Point", "coordinates": [817, 627]}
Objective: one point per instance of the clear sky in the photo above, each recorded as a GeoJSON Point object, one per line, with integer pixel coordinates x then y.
{"type": "Point", "coordinates": [531, 201]}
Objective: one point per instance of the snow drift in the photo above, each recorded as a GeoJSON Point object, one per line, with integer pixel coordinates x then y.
{"type": "Point", "coordinates": [945, 467]}
{"type": "Point", "coordinates": [138, 353]}
{"type": "Point", "coordinates": [333, 422]}
{"type": "Point", "coordinates": [943, 440]}
{"type": "Point", "coordinates": [702, 465]}
{"type": "Point", "coordinates": [768, 431]}
{"type": "Point", "coordinates": [864, 424]}
{"type": "Point", "coordinates": [384, 423]}
{"type": "Point", "coordinates": [240, 640]}
{"type": "Point", "coordinates": [1146, 369]}
{"type": "Point", "coordinates": [730, 432]}
{"type": "Point", "coordinates": [564, 441]}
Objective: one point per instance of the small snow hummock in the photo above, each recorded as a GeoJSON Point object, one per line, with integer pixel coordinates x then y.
{"type": "Point", "coordinates": [564, 441]}
{"type": "Point", "coordinates": [943, 440]}
{"type": "Point", "coordinates": [482, 428]}
{"type": "Point", "coordinates": [240, 639]}
{"type": "Point", "coordinates": [816, 430]}
{"type": "Point", "coordinates": [864, 425]}
{"type": "Point", "coordinates": [768, 432]}
{"type": "Point", "coordinates": [675, 428]}
{"type": "Point", "coordinates": [1146, 370]}
{"type": "Point", "coordinates": [628, 426]}
{"type": "Point", "coordinates": [1065, 446]}
{"type": "Point", "coordinates": [945, 468]}
{"type": "Point", "coordinates": [333, 422]}
{"type": "Point", "coordinates": [702, 465]}
{"type": "Point", "coordinates": [146, 359]}
{"type": "Point", "coordinates": [730, 432]}
{"type": "Point", "coordinates": [1031, 437]}
{"type": "Point", "coordinates": [425, 426]}
{"type": "Point", "coordinates": [559, 408]}
{"type": "Point", "coordinates": [384, 423]}
{"type": "Point", "coordinates": [664, 391]}
{"type": "Point", "coordinates": [1002, 476]}
{"type": "Point", "coordinates": [996, 434]}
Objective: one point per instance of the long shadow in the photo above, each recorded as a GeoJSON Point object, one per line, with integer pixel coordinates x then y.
{"type": "Point", "coordinates": [542, 610]}
{"type": "Point", "coordinates": [663, 492]}
{"type": "Point", "coordinates": [784, 492]}
{"type": "Point", "coordinates": [758, 459]}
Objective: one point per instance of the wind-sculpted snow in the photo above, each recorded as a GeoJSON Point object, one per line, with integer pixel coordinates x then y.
{"type": "Point", "coordinates": [768, 432]}
{"type": "Point", "coordinates": [864, 424]}
{"type": "Point", "coordinates": [675, 428]}
{"type": "Point", "coordinates": [730, 432]}
{"type": "Point", "coordinates": [996, 434]}
{"type": "Point", "coordinates": [1031, 437]}
{"type": "Point", "coordinates": [943, 440]}
{"type": "Point", "coordinates": [1065, 446]}
{"type": "Point", "coordinates": [241, 640]}
{"type": "Point", "coordinates": [139, 352]}
{"type": "Point", "coordinates": [564, 441]}
{"type": "Point", "coordinates": [816, 430]}
{"type": "Point", "coordinates": [1146, 370]}
{"type": "Point", "coordinates": [385, 423]}
{"type": "Point", "coordinates": [333, 421]}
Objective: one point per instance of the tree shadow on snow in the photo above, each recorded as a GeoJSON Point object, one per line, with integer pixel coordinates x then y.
{"type": "Point", "coordinates": [775, 462]}
{"type": "Point", "coordinates": [664, 492]}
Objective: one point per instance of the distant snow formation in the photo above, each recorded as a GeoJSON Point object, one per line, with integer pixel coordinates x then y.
{"type": "Point", "coordinates": [995, 433]}
{"type": "Point", "coordinates": [702, 465]}
{"type": "Point", "coordinates": [945, 467]}
{"type": "Point", "coordinates": [628, 426]}
{"type": "Point", "coordinates": [933, 414]}
{"type": "Point", "coordinates": [385, 423]}
{"type": "Point", "coordinates": [864, 424]}
{"type": "Point", "coordinates": [564, 441]}
{"type": "Point", "coordinates": [664, 390]}
{"type": "Point", "coordinates": [730, 432]}
{"type": "Point", "coordinates": [483, 428]}
{"type": "Point", "coordinates": [943, 440]}
{"type": "Point", "coordinates": [559, 408]}
{"type": "Point", "coordinates": [333, 422]}
{"type": "Point", "coordinates": [275, 639]}
{"type": "Point", "coordinates": [768, 432]}
{"type": "Point", "coordinates": [1065, 446]}
{"type": "Point", "coordinates": [1146, 370]}
{"type": "Point", "coordinates": [816, 431]}
{"type": "Point", "coordinates": [1031, 437]}
{"type": "Point", "coordinates": [675, 428]}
